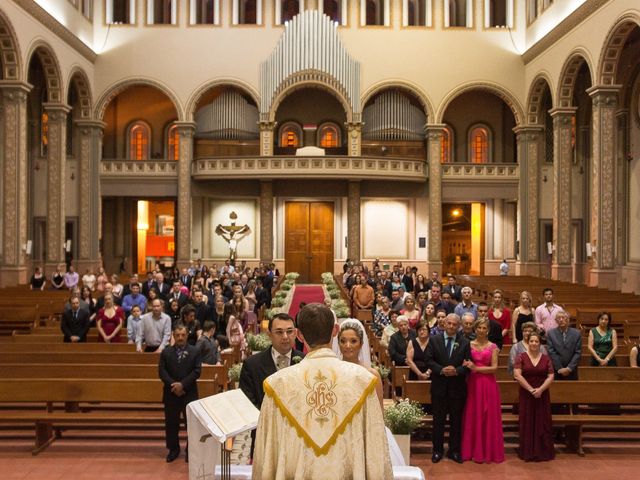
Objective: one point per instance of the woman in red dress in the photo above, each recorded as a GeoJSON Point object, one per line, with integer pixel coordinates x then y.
{"type": "Point", "coordinates": [109, 321]}
{"type": "Point", "coordinates": [533, 370]}
{"type": "Point", "coordinates": [502, 315]}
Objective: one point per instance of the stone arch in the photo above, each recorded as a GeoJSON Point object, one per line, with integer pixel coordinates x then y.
{"type": "Point", "coordinates": [9, 50]}
{"type": "Point", "coordinates": [498, 90]}
{"type": "Point", "coordinates": [111, 92]}
{"type": "Point", "coordinates": [569, 74]}
{"type": "Point", "coordinates": [308, 79]}
{"type": "Point", "coordinates": [79, 79]}
{"type": "Point", "coordinates": [409, 87]}
{"type": "Point", "coordinates": [535, 115]}
{"type": "Point", "coordinates": [51, 69]}
{"type": "Point", "coordinates": [612, 48]}
{"type": "Point", "coordinates": [195, 97]}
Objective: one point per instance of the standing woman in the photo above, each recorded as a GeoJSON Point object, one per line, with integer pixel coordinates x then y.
{"type": "Point", "coordinates": [534, 372]}
{"type": "Point", "coordinates": [85, 294]}
{"type": "Point", "coordinates": [482, 438]}
{"type": "Point", "coordinates": [38, 280]}
{"type": "Point", "coordinates": [109, 320]}
{"type": "Point", "coordinates": [430, 314]}
{"type": "Point", "coordinates": [57, 280]}
{"type": "Point", "coordinates": [250, 296]}
{"type": "Point", "coordinates": [501, 314]}
{"type": "Point", "coordinates": [416, 353]}
{"type": "Point", "coordinates": [420, 285]}
{"type": "Point", "coordinates": [521, 315]}
{"type": "Point", "coordinates": [603, 342]}
{"type": "Point", "coordinates": [409, 279]}
{"type": "Point", "coordinates": [101, 279]}
{"type": "Point", "coordinates": [410, 311]}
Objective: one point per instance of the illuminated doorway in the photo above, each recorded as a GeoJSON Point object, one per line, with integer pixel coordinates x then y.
{"type": "Point", "coordinates": [155, 240]}
{"type": "Point", "coordinates": [463, 238]}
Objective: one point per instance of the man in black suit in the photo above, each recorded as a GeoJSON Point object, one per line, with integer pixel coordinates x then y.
{"type": "Point", "coordinates": [176, 293]}
{"type": "Point", "coordinates": [565, 348]}
{"type": "Point", "coordinates": [163, 287]}
{"type": "Point", "coordinates": [261, 365]}
{"type": "Point", "coordinates": [186, 279]}
{"type": "Point", "coordinates": [75, 322]}
{"type": "Point", "coordinates": [446, 354]}
{"type": "Point", "coordinates": [179, 368]}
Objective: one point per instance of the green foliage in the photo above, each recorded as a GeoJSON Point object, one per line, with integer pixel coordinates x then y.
{"type": "Point", "coordinates": [334, 295]}
{"type": "Point", "coordinates": [286, 286]}
{"type": "Point", "coordinates": [292, 275]}
{"type": "Point", "coordinates": [277, 302]}
{"type": "Point", "coordinates": [342, 312]}
{"type": "Point", "coordinates": [403, 417]}
{"type": "Point", "coordinates": [281, 294]}
{"type": "Point", "coordinates": [327, 278]}
{"type": "Point", "coordinates": [258, 343]}
{"type": "Point", "coordinates": [234, 372]}
{"type": "Point", "coordinates": [382, 370]}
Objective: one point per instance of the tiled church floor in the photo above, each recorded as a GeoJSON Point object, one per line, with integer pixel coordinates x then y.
{"type": "Point", "coordinates": [135, 460]}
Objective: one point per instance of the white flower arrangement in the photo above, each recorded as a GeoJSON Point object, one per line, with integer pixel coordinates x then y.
{"type": "Point", "coordinates": [258, 343]}
{"type": "Point", "coordinates": [403, 417]}
{"type": "Point", "coordinates": [234, 372]}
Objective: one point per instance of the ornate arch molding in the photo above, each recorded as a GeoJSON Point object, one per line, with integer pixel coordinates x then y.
{"type": "Point", "coordinates": [195, 97]}
{"type": "Point", "coordinates": [79, 79]}
{"type": "Point", "coordinates": [409, 87]}
{"type": "Point", "coordinates": [613, 46]}
{"type": "Point", "coordinates": [311, 78]}
{"type": "Point", "coordinates": [114, 90]}
{"type": "Point", "coordinates": [9, 50]}
{"type": "Point", "coordinates": [498, 90]}
{"type": "Point", "coordinates": [535, 114]}
{"type": "Point", "coordinates": [51, 69]}
{"type": "Point", "coordinates": [569, 74]}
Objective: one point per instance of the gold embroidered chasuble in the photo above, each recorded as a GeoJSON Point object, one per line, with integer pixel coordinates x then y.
{"type": "Point", "coordinates": [321, 419]}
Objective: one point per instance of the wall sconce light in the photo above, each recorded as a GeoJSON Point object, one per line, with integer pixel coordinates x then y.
{"type": "Point", "coordinates": [37, 166]}
{"type": "Point", "coordinates": [544, 178]}
{"type": "Point", "coordinates": [73, 176]}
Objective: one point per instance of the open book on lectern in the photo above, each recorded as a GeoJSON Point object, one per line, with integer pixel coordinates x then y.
{"type": "Point", "coordinates": [230, 413]}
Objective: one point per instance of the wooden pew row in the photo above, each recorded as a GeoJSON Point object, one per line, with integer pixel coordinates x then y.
{"type": "Point", "coordinates": [570, 392]}
{"type": "Point", "coordinates": [16, 317]}
{"type": "Point", "coordinates": [35, 390]}
{"type": "Point", "coordinates": [12, 346]}
{"type": "Point", "coordinates": [86, 358]}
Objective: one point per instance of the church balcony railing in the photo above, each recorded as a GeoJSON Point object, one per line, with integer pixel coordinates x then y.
{"type": "Point", "coordinates": [338, 167]}
{"type": "Point", "coordinates": [490, 172]}
{"type": "Point", "coordinates": [135, 168]}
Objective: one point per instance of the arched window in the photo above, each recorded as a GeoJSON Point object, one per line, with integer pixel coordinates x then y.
{"type": "Point", "coordinates": [139, 141]}
{"type": "Point", "coordinates": [446, 145]}
{"type": "Point", "coordinates": [286, 10]}
{"type": "Point", "coordinates": [173, 143]}
{"type": "Point", "coordinates": [290, 135]}
{"type": "Point", "coordinates": [329, 136]}
{"type": "Point", "coordinates": [479, 144]}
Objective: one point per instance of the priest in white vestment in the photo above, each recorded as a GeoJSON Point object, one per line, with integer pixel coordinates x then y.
{"type": "Point", "coordinates": [321, 418]}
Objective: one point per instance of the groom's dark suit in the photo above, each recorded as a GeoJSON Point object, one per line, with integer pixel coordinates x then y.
{"type": "Point", "coordinates": [448, 394]}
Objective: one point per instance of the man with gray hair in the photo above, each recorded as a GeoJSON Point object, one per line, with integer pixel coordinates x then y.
{"type": "Point", "coordinates": [466, 305]}
{"type": "Point", "coordinates": [446, 356]}
{"type": "Point", "coordinates": [565, 348]}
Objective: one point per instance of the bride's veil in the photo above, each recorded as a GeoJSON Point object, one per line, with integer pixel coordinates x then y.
{"type": "Point", "coordinates": [364, 357]}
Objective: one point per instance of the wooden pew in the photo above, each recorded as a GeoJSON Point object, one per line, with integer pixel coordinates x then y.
{"type": "Point", "coordinates": [11, 346]}
{"type": "Point", "coordinates": [104, 391]}
{"type": "Point", "coordinates": [87, 358]}
{"type": "Point", "coordinates": [569, 392]}
{"type": "Point", "coordinates": [18, 318]}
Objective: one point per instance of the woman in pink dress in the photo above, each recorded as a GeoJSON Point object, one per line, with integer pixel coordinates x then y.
{"type": "Point", "coordinates": [109, 321]}
{"type": "Point", "coordinates": [482, 439]}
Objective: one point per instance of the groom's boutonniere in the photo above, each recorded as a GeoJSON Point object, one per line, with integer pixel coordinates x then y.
{"type": "Point", "coordinates": [455, 345]}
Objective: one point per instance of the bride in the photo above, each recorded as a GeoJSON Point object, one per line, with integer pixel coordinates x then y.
{"type": "Point", "coordinates": [353, 346]}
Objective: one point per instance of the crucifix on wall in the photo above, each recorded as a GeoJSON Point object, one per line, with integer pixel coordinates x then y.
{"type": "Point", "coordinates": [232, 234]}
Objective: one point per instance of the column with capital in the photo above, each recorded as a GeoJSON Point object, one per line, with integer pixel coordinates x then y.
{"type": "Point", "coordinates": [353, 221]}
{"type": "Point", "coordinates": [434, 153]}
{"type": "Point", "coordinates": [89, 157]}
{"type": "Point", "coordinates": [56, 180]}
{"type": "Point", "coordinates": [354, 139]}
{"type": "Point", "coordinates": [530, 151]}
{"type": "Point", "coordinates": [266, 221]}
{"type": "Point", "coordinates": [186, 131]}
{"type": "Point", "coordinates": [13, 156]}
{"type": "Point", "coordinates": [603, 185]}
{"type": "Point", "coordinates": [561, 268]}
{"type": "Point", "coordinates": [266, 138]}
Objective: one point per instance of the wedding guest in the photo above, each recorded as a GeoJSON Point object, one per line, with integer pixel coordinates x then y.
{"type": "Point", "coordinates": [633, 355]}
{"type": "Point", "coordinates": [109, 321]}
{"type": "Point", "coordinates": [399, 340]}
{"type": "Point", "coordinates": [416, 353]}
{"type": "Point", "coordinates": [133, 322]}
{"type": "Point", "coordinates": [38, 280]}
{"type": "Point", "coordinates": [603, 342]}
{"type": "Point", "coordinates": [522, 314]}
{"type": "Point", "coordinates": [501, 314]}
{"type": "Point", "coordinates": [533, 370]}
{"type": "Point", "coordinates": [565, 348]}
{"type": "Point", "coordinates": [482, 437]}
{"type": "Point", "coordinates": [390, 329]}
{"type": "Point", "coordinates": [410, 311]}
{"type": "Point", "coordinates": [57, 280]}
{"type": "Point", "coordinates": [439, 327]}
{"type": "Point", "coordinates": [523, 345]}
{"type": "Point", "coordinates": [468, 324]}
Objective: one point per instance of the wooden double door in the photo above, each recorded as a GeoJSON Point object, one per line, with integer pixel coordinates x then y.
{"type": "Point", "coordinates": [308, 244]}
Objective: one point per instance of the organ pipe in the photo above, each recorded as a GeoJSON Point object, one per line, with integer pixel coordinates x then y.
{"type": "Point", "coordinates": [392, 116]}
{"type": "Point", "coordinates": [229, 117]}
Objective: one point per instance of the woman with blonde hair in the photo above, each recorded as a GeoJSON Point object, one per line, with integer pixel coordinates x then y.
{"type": "Point", "coordinates": [522, 314]}
{"type": "Point", "coordinates": [501, 314]}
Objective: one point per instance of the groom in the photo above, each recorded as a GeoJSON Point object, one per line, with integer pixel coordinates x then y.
{"type": "Point", "coordinates": [446, 353]}
{"type": "Point", "coordinates": [320, 418]}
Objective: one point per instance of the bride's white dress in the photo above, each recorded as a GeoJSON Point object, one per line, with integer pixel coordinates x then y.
{"type": "Point", "coordinates": [364, 358]}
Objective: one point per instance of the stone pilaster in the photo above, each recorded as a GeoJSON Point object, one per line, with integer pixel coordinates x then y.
{"type": "Point", "coordinates": [266, 221]}
{"type": "Point", "coordinates": [56, 169]}
{"type": "Point", "coordinates": [354, 138]}
{"type": "Point", "coordinates": [622, 189]}
{"type": "Point", "coordinates": [561, 268]}
{"type": "Point", "coordinates": [89, 157]}
{"type": "Point", "coordinates": [603, 184]}
{"type": "Point", "coordinates": [434, 152]}
{"type": "Point", "coordinates": [530, 151]}
{"type": "Point", "coordinates": [13, 159]}
{"type": "Point", "coordinates": [186, 131]}
{"type": "Point", "coordinates": [266, 138]}
{"type": "Point", "coordinates": [353, 221]}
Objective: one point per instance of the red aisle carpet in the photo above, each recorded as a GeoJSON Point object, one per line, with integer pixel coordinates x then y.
{"type": "Point", "coordinates": [307, 294]}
